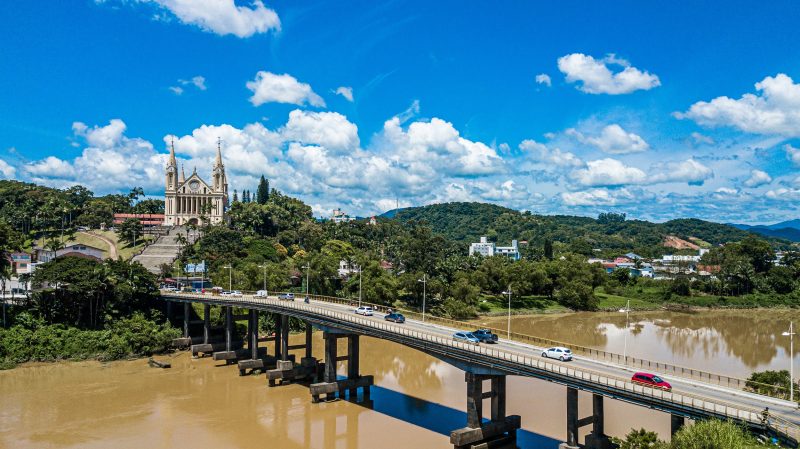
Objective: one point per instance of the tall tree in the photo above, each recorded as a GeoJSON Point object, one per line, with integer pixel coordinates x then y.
{"type": "Point", "coordinates": [262, 194]}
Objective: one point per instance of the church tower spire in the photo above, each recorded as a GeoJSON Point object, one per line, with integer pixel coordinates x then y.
{"type": "Point", "coordinates": [182, 179]}
{"type": "Point", "coordinates": [172, 161]}
{"type": "Point", "coordinates": [218, 162]}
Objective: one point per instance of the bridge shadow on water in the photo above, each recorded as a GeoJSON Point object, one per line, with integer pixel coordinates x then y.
{"type": "Point", "coordinates": [439, 418]}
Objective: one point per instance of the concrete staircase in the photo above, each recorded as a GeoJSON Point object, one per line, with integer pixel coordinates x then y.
{"type": "Point", "coordinates": [164, 250]}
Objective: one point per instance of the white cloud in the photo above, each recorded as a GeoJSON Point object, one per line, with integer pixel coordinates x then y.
{"type": "Point", "coordinates": [177, 90]}
{"type": "Point", "coordinates": [596, 78]}
{"type": "Point", "coordinates": [541, 153]}
{"type": "Point", "coordinates": [689, 171]}
{"type": "Point", "coordinates": [784, 194]}
{"type": "Point", "coordinates": [793, 154]}
{"type": "Point", "coordinates": [110, 161]}
{"type": "Point", "coordinates": [544, 78]}
{"type": "Point", "coordinates": [346, 92]}
{"type": "Point", "coordinates": [329, 129]}
{"type": "Point", "coordinates": [196, 81]}
{"type": "Point", "coordinates": [774, 111]}
{"type": "Point", "coordinates": [436, 145]}
{"type": "Point", "coordinates": [758, 178]}
{"type": "Point", "coordinates": [702, 139]}
{"type": "Point", "coordinates": [598, 197]}
{"type": "Point", "coordinates": [224, 16]}
{"type": "Point", "coordinates": [7, 170]}
{"type": "Point", "coordinates": [269, 87]}
{"type": "Point", "coordinates": [608, 172]}
{"type": "Point", "coordinates": [614, 140]}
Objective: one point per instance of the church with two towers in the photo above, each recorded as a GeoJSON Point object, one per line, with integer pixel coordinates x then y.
{"type": "Point", "coordinates": [191, 200]}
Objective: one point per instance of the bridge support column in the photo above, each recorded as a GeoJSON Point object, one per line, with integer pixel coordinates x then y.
{"type": "Point", "coordinates": [206, 323]}
{"type": "Point", "coordinates": [676, 423]}
{"type": "Point", "coordinates": [186, 307]}
{"type": "Point", "coordinates": [330, 386]}
{"type": "Point", "coordinates": [228, 355]}
{"type": "Point", "coordinates": [501, 430]}
{"type": "Point", "coordinates": [286, 370]}
{"type": "Point", "coordinates": [185, 341]}
{"type": "Point", "coordinates": [595, 440]}
{"type": "Point", "coordinates": [255, 363]}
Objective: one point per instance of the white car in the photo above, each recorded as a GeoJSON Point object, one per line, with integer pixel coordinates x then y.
{"type": "Point", "coordinates": [557, 352]}
{"type": "Point", "coordinates": [364, 310]}
{"type": "Point", "coordinates": [261, 294]}
{"type": "Point", "coordinates": [226, 293]}
{"type": "Point", "coordinates": [236, 293]}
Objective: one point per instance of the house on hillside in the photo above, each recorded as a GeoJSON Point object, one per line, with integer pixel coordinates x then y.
{"type": "Point", "coordinates": [74, 249]}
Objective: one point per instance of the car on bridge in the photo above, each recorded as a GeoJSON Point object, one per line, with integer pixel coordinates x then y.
{"type": "Point", "coordinates": [651, 380]}
{"type": "Point", "coordinates": [557, 352]}
{"type": "Point", "coordinates": [286, 296]}
{"type": "Point", "coordinates": [261, 294]}
{"type": "Point", "coordinates": [396, 317]}
{"type": "Point", "coordinates": [236, 293]}
{"type": "Point", "coordinates": [485, 336]}
{"type": "Point", "coordinates": [364, 310]}
{"type": "Point", "coordinates": [466, 337]}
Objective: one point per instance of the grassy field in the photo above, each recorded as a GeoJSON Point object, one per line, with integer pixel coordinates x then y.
{"type": "Point", "coordinates": [124, 251]}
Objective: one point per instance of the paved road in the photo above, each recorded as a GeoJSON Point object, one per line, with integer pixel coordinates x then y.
{"type": "Point", "coordinates": [710, 392]}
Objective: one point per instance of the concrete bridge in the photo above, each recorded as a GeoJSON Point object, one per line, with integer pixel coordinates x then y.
{"type": "Point", "coordinates": [689, 398]}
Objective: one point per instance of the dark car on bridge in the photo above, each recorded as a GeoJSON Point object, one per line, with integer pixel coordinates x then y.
{"type": "Point", "coordinates": [485, 336]}
{"type": "Point", "coordinates": [396, 317]}
{"type": "Point", "coordinates": [651, 380]}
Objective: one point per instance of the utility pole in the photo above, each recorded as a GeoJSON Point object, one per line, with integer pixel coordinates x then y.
{"type": "Point", "coordinates": [359, 286]}
{"type": "Point", "coordinates": [424, 281]}
{"type": "Point", "coordinates": [230, 277]}
{"type": "Point", "coordinates": [308, 270]}
{"type": "Point", "coordinates": [790, 334]}
{"type": "Point", "coordinates": [265, 275]}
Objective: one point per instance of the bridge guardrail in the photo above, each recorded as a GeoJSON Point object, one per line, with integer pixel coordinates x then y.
{"type": "Point", "coordinates": [719, 408]}
{"type": "Point", "coordinates": [597, 354]}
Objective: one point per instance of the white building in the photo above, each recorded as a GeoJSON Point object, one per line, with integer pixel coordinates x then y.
{"type": "Point", "coordinates": [346, 269]}
{"type": "Point", "coordinates": [74, 249]}
{"type": "Point", "coordinates": [192, 200]}
{"type": "Point", "coordinates": [339, 216]}
{"type": "Point", "coordinates": [486, 248]}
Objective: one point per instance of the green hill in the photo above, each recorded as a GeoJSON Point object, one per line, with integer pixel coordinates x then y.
{"type": "Point", "coordinates": [609, 234]}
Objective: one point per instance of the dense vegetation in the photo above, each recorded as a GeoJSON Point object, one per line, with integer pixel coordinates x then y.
{"type": "Point", "coordinates": [33, 211]}
{"type": "Point", "coordinates": [608, 235]}
{"type": "Point", "coordinates": [709, 434]}
{"type": "Point", "coordinates": [81, 308]}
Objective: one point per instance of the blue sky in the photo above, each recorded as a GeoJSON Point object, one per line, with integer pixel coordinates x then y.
{"type": "Point", "coordinates": [660, 111]}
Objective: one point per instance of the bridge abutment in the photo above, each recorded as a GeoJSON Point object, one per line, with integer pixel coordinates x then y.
{"type": "Point", "coordinates": [501, 430]}
{"type": "Point", "coordinates": [676, 423]}
{"type": "Point", "coordinates": [185, 341]}
{"type": "Point", "coordinates": [597, 439]}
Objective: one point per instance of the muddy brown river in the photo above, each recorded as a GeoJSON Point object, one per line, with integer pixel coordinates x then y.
{"type": "Point", "coordinates": [417, 399]}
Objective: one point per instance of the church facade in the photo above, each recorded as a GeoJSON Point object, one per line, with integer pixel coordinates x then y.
{"type": "Point", "coordinates": [192, 200]}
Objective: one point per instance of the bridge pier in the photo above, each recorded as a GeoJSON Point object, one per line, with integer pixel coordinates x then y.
{"type": "Point", "coordinates": [228, 355]}
{"type": "Point", "coordinates": [330, 386]}
{"type": "Point", "coordinates": [286, 369]}
{"type": "Point", "coordinates": [501, 430]}
{"type": "Point", "coordinates": [185, 341]}
{"type": "Point", "coordinates": [597, 439]}
{"type": "Point", "coordinates": [255, 363]}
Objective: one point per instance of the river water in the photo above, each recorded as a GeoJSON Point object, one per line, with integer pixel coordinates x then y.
{"type": "Point", "coordinates": [417, 399]}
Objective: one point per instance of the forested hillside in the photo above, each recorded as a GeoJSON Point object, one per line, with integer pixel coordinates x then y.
{"type": "Point", "coordinates": [610, 233]}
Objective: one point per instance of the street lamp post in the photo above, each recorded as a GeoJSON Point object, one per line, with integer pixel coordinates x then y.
{"type": "Point", "coordinates": [790, 334]}
{"type": "Point", "coordinates": [625, 345]}
{"type": "Point", "coordinates": [508, 292]}
{"type": "Point", "coordinates": [230, 277]}
{"type": "Point", "coordinates": [308, 270]}
{"type": "Point", "coordinates": [265, 276]}
{"type": "Point", "coordinates": [424, 281]}
{"type": "Point", "coordinates": [359, 286]}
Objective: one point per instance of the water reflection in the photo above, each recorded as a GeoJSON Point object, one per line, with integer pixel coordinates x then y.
{"type": "Point", "coordinates": [734, 342]}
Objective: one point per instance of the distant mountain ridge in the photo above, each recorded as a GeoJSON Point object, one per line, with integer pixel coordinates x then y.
{"type": "Point", "coordinates": [789, 229]}
{"type": "Point", "coordinates": [467, 222]}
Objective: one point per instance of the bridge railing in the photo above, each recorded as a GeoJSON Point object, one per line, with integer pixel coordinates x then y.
{"type": "Point", "coordinates": [715, 408]}
{"type": "Point", "coordinates": [597, 354]}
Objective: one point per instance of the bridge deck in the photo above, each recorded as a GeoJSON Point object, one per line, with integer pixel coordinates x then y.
{"type": "Point", "coordinates": [690, 398]}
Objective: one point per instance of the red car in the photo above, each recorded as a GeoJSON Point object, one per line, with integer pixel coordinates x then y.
{"type": "Point", "coordinates": [651, 380]}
